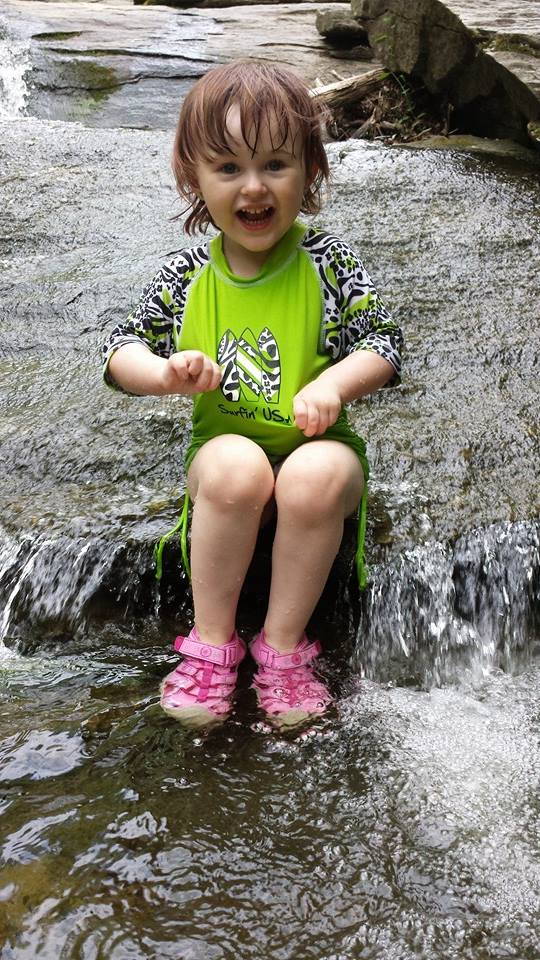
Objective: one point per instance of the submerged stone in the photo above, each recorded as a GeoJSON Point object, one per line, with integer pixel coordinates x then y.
{"type": "Point", "coordinates": [470, 144]}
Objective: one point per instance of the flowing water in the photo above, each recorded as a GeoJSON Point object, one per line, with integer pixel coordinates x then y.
{"type": "Point", "coordinates": [406, 824]}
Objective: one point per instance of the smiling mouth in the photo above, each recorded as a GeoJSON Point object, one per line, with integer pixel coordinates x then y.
{"type": "Point", "coordinates": [256, 216]}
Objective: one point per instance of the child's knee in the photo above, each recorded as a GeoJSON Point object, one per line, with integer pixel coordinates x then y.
{"type": "Point", "coordinates": [237, 474]}
{"type": "Point", "coordinates": [314, 486]}
{"type": "Point", "coordinates": [309, 493]}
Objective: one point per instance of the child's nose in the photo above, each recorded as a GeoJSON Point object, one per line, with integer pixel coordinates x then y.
{"type": "Point", "coordinates": [254, 184]}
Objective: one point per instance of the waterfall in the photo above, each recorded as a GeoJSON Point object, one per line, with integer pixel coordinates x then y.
{"type": "Point", "coordinates": [437, 613]}
{"type": "Point", "coordinates": [14, 68]}
{"type": "Point", "coordinates": [442, 612]}
{"type": "Point", "coordinates": [51, 587]}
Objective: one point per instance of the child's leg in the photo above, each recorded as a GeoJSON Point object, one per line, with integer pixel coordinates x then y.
{"type": "Point", "coordinates": [230, 481]}
{"type": "Point", "coordinates": [317, 487]}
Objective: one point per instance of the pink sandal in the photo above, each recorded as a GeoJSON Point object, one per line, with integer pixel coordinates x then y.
{"type": "Point", "coordinates": [285, 685]}
{"type": "Point", "coordinates": [199, 691]}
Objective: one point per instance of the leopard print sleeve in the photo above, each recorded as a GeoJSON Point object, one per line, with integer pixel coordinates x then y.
{"type": "Point", "coordinates": [157, 320]}
{"type": "Point", "coordinates": [354, 316]}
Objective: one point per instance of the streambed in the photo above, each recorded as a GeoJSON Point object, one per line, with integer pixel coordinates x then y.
{"type": "Point", "coordinates": [406, 825]}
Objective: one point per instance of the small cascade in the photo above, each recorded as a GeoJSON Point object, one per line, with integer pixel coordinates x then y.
{"type": "Point", "coordinates": [439, 613]}
{"type": "Point", "coordinates": [50, 588]}
{"type": "Point", "coordinates": [14, 68]}
{"type": "Point", "coordinates": [435, 614]}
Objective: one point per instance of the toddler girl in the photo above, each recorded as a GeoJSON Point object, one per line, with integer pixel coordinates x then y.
{"type": "Point", "coordinates": [273, 326]}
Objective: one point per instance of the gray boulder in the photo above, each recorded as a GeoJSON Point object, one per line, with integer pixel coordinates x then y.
{"type": "Point", "coordinates": [339, 26]}
{"type": "Point", "coordinates": [427, 40]}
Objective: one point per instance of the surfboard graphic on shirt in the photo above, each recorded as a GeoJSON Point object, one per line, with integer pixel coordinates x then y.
{"type": "Point", "coordinates": [271, 366]}
{"type": "Point", "coordinates": [226, 357]}
{"type": "Point", "coordinates": [248, 361]}
{"type": "Point", "coordinates": [250, 366]}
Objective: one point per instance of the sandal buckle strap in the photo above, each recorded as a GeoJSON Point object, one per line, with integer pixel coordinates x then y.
{"type": "Point", "coordinates": [268, 657]}
{"type": "Point", "coordinates": [226, 656]}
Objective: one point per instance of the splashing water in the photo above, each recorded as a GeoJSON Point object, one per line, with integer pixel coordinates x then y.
{"type": "Point", "coordinates": [440, 613]}
{"type": "Point", "coordinates": [14, 67]}
{"type": "Point", "coordinates": [48, 584]}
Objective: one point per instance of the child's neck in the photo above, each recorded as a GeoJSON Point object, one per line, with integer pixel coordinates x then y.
{"type": "Point", "coordinates": [244, 263]}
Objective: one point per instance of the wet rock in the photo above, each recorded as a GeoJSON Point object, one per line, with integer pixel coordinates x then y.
{"type": "Point", "coordinates": [339, 26]}
{"type": "Point", "coordinates": [533, 130]}
{"type": "Point", "coordinates": [116, 66]}
{"type": "Point", "coordinates": [346, 38]}
{"type": "Point", "coordinates": [509, 31]}
{"type": "Point", "coordinates": [467, 143]}
{"type": "Point", "coordinates": [357, 54]}
{"type": "Point", "coordinates": [423, 39]}
{"type": "Point", "coordinates": [209, 4]}
{"type": "Point", "coordinates": [427, 40]}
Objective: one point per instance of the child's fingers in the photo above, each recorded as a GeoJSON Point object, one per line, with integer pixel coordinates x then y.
{"type": "Point", "coordinates": [328, 414]}
{"type": "Point", "coordinates": [300, 412]}
{"type": "Point", "coordinates": [176, 371]}
{"type": "Point", "coordinates": [209, 376]}
{"type": "Point", "coordinates": [306, 415]}
{"type": "Point", "coordinates": [313, 420]}
{"type": "Point", "coordinates": [216, 376]}
{"type": "Point", "coordinates": [204, 373]}
{"type": "Point", "coordinates": [195, 362]}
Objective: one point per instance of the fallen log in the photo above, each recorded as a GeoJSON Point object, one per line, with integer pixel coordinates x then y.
{"type": "Point", "coordinates": [343, 93]}
{"type": "Point", "coordinates": [381, 105]}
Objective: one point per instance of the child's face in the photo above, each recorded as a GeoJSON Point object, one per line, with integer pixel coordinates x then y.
{"type": "Point", "coordinates": [253, 199]}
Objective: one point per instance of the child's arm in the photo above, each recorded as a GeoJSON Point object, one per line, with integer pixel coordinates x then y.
{"type": "Point", "coordinates": [139, 356]}
{"type": "Point", "coordinates": [318, 405]}
{"type": "Point", "coordinates": [134, 368]}
{"type": "Point", "coordinates": [360, 336]}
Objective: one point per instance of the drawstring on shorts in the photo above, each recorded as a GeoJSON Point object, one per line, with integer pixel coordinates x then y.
{"type": "Point", "coordinates": [180, 527]}
{"type": "Point", "coordinates": [360, 562]}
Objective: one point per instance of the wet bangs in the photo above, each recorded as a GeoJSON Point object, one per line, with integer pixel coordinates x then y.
{"type": "Point", "coordinates": [264, 108]}
{"type": "Point", "coordinates": [256, 121]}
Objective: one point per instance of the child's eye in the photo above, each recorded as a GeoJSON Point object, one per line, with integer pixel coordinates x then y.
{"type": "Point", "coordinates": [275, 165]}
{"type": "Point", "coordinates": [228, 168]}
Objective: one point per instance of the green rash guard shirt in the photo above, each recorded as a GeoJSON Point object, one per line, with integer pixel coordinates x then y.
{"type": "Point", "coordinates": [311, 305]}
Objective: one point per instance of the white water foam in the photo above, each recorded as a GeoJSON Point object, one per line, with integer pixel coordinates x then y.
{"type": "Point", "coordinates": [14, 67]}
{"type": "Point", "coordinates": [440, 612]}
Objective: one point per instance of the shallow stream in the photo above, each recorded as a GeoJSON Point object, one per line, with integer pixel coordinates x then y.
{"type": "Point", "coordinates": [407, 824]}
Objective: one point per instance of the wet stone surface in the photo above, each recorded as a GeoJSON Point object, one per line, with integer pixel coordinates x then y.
{"type": "Point", "coordinates": [118, 65]}
{"type": "Point", "coordinates": [404, 825]}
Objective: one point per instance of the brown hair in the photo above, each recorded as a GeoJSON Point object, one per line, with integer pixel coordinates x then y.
{"type": "Point", "coordinates": [263, 93]}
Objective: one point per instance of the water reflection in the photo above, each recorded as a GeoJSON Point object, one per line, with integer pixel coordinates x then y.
{"type": "Point", "coordinates": [406, 826]}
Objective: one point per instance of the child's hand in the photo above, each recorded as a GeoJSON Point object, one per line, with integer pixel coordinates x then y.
{"type": "Point", "coordinates": [316, 407]}
{"type": "Point", "coordinates": [189, 372]}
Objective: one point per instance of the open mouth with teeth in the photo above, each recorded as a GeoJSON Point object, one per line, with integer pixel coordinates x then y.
{"type": "Point", "coordinates": [255, 217]}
